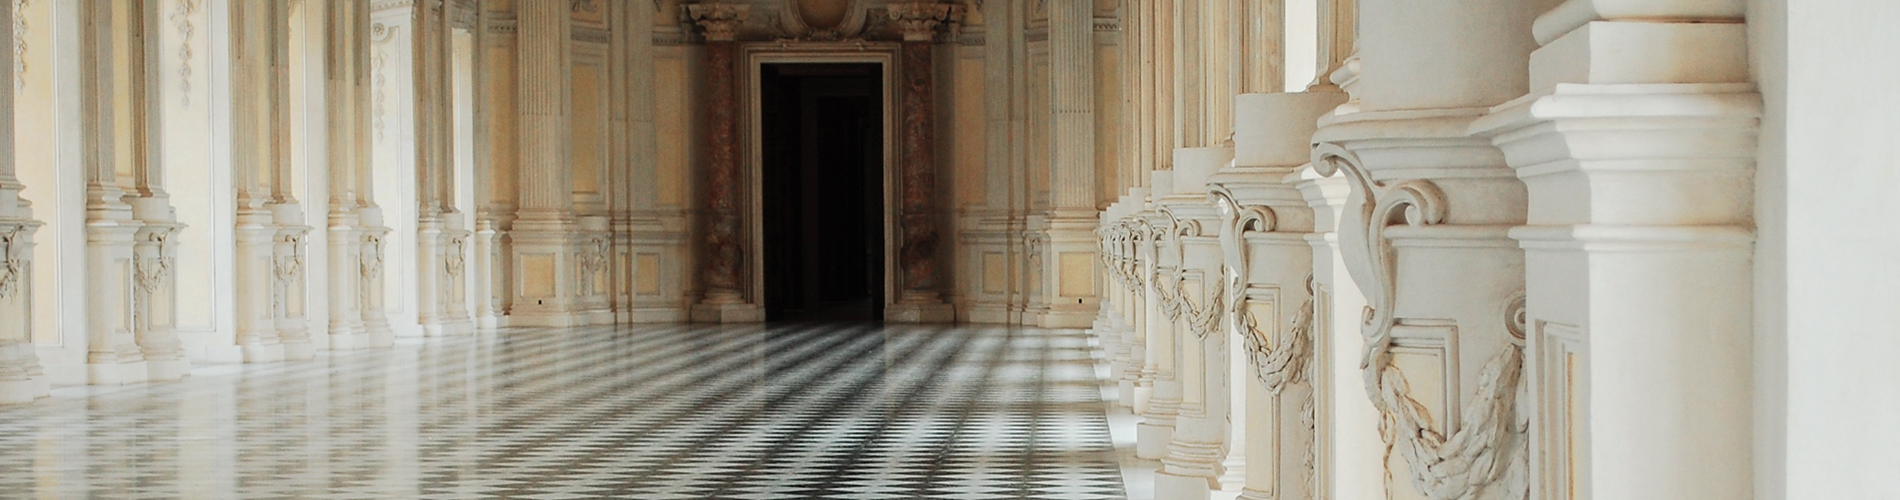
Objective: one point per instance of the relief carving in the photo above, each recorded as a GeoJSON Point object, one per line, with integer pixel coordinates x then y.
{"type": "Point", "coordinates": [379, 35]}
{"type": "Point", "coordinates": [457, 259]}
{"type": "Point", "coordinates": [19, 45]}
{"type": "Point", "coordinates": [181, 18]}
{"type": "Point", "coordinates": [1490, 447]}
{"type": "Point", "coordinates": [12, 259]}
{"type": "Point", "coordinates": [371, 267]}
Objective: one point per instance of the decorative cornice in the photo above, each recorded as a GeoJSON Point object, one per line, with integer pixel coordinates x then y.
{"type": "Point", "coordinates": [668, 36]}
{"type": "Point", "coordinates": [591, 35]}
{"type": "Point", "coordinates": [1108, 24]}
{"type": "Point", "coordinates": [502, 26]}
{"type": "Point", "coordinates": [19, 45]}
{"type": "Point", "coordinates": [382, 5]}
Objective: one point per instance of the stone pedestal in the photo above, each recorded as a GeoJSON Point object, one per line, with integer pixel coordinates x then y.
{"type": "Point", "coordinates": [1625, 109]}
{"type": "Point", "coordinates": [287, 287]}
{"type": "Point", "coordinates": [370, 276]}
{"type": "Point", "coordinates": [1195, 293]}
{"type": "Point", "coordinates": [21, 378]}
{"type": "Point", "coordinates": [346, 329]}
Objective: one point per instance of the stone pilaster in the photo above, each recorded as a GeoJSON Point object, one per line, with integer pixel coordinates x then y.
{"type": "Point", "coordinates": [1623, 107]}
{"type": "Point", "coordinates": [266, 214]}
{"type": "Point", "coordinates": [440, 233]}
{"type": "Point", "coordinates": [1266, 227]}
{"type": "Point", "coordinates": [723, 260]}
{"type": "Point", "coordinates": [113, 355]}
{"type": "Point", "coordinates": [1066, 295]}
{"type": "Point", "coordinates": [1194, 295]}
{"type": "Point", "coordinates": [21, 378]}
{"type": "Point", "coordinates": [543, 233]}
{"type": "Point", "coordinates": [1425, 236]}
{"type": "Point", "coordinates": [920, 298]}
{"type": "Point", "coordinates": [1159, 389]}
{"type": "Point", "coordinates": [346, 44]}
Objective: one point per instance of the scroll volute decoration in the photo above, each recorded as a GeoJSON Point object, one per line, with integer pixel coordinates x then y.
{"type": "Point", "coordinates": [1279, 356]}
{"type": "Point", "coordinates": [1489, 452]}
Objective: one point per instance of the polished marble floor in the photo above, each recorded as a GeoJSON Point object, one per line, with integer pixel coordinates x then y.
{"type": "Point", "coordinates": [665, 412]}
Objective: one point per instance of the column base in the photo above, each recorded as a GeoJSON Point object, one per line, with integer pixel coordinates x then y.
{"type": "Point", "coordinates": [920, 312]}
{"type": "Point", "coordinates": [710, 312]}
{"type": "Point", "coordinates": [26, 382]}
{"type": "Point", "coordinates": [117, 373]}
{"type": "Point", "coordinates": [1152, 438]}
{"type": "Point", "coordinates": [1170, 486]}
{"type": "Point", "coordinates": [1125, 393]}
{"type": "Point", "coordinates": [1142, 394]}
{"type": "Point", "coordinates": [301, 350]}
{"type": "Point", "coordinates": [268, 353]}
{"type": "Point", "coordinates": [489, 322]}
{"type": "Point", "coordinates": [449, 329]}
{"type": "Point", "coordinates": [167, 370]}
{"type": "Point", "coordinates": [13, 392]}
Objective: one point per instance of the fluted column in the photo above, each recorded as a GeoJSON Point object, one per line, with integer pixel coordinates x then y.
{"type": "Point", "coordinates": [440, 234]}
{"type": "Point", "coordinates": [1067, 290]}
{"type": "Point", "coordinates": [920, 299]}
{"type": "Point", "coordinates": [346, 39]}
{"type": "Point", "coordinates": [544, 230]}
{"type": "Point", "coordinates": [105, 50]}
{"type": "Point", "coordinates": [723, 261]}
{"type": "Point", "coordinates": [1425, 235]}
{"type": "Point", "coordinates": [21, 378]}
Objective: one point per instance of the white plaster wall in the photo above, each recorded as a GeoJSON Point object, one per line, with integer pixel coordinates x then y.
{"type": "Point", "coordinates": [1843, 256]}
{"type": "Point", "coordinates": [1767, 37]}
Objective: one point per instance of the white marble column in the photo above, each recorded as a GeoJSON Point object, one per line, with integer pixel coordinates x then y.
{"type": "Point", "coordinates": [1637, 142]}
{"type": "Point", "coordinates": [21, 378]}
{"type": "Point", "coordinates": [440, 234]}
{"type": "Point", "coordinates": [106, 53]}
{"type": "Point", "coordinates": [1425, 237]}
{"type": "Point", "coordinates": [346, 41]}
{"type": "Point", "coordinates": [256, 143]}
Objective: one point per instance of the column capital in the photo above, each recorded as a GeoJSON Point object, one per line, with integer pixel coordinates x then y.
{"type": "Point", "coordinates": [720, 20]}
{"type": "Point", "coordinates": [918, 20]}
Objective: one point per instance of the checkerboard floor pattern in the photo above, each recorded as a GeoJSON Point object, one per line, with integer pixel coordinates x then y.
{"type": "Point", "coordinates": [796, 411]}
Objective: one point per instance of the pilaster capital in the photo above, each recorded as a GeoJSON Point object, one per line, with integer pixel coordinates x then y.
{"type": "Point", "coordinates": [720, 20]}
{"type": "Point", "coordinates": [918, 20]}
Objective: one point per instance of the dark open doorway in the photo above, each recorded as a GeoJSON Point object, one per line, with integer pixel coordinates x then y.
{"type": "Point", "coordinates": [823, 191]}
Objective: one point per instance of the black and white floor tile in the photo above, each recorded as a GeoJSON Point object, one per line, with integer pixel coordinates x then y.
{"type": "Point", "coordinates": [813, 411]}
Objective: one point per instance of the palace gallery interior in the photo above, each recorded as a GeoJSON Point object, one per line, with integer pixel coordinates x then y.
{"type": "Point", "coordinates": [950, 249]}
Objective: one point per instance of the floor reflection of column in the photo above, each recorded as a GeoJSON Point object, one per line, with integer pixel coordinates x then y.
{"type": "Point", "coordinates": [207, 439]}
{"type": "Point", "coordinates": [400, 468]}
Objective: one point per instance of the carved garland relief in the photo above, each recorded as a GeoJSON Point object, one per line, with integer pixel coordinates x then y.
{"type": "Point", "coordinates": [1490, 446]}
{"type": "Point", "coordinates": [12, 264]}
{"type": "Point", "coordinates": [181, 18]}
{"type": "Point", "coordinates": [19, 45]}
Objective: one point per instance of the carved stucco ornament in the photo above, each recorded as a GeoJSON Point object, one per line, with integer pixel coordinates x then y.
{"type": "Point", "coordinates": [1490, 449]}
{"type": "Point", "coordinates": [12, 259]}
